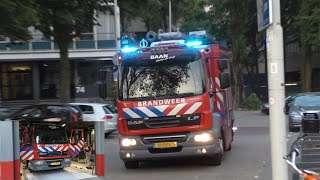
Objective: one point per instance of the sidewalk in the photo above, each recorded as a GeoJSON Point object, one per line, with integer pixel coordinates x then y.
{"type": "Point", "coordinates": [81, 167]}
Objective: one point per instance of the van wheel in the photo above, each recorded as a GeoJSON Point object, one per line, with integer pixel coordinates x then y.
{"type": "Point", "coordinates": [131, 164]}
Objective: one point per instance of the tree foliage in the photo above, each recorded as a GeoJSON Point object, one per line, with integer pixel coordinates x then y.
{"type": "Point", "coordinates": [308, 25]}
{"type": "Point", "coordinates": [64, 20]}
{"type": "Point", "coordinates": [16, 17]}
{"type": "Point", "coordinates": [154, 13]}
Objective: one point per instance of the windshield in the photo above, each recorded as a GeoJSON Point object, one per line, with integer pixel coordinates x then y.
{"type": "Point", "coordinates": [51, 136]}
{"type": "Point", "coordinates": [309, 100]}
{"type": "Point", "coordinates": [149, 79]}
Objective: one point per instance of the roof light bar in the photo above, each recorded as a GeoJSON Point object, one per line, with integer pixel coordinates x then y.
{"type": "Point", "coordinates": [194, 43]}
{"type": "Point", "coordinates": [128, 49]}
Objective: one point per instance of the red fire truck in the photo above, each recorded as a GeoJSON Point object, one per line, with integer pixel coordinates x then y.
{"type": "Point", "coordinates": [174, 98]}
{"type": "Point", "coordinates": [46, 146]}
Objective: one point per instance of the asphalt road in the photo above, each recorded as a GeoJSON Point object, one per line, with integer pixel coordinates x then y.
{"type": "Point", "coordinates": [249, 158]}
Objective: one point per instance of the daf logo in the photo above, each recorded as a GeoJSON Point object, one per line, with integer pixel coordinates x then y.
{"type": "Point", "coordinates": [160, 56]}
{"type": "Point", "coordinates": [135, 122]}
{"type": "Point", "coordinates": [193, 118]}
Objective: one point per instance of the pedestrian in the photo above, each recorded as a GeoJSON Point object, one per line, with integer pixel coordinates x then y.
{"type": "Point", "coordinates": [87, 149]}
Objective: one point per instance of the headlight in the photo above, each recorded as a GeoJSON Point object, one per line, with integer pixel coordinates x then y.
{"type": "Point", "coordinates": [67, 160]}
{"type": "Point", "coordinates": [38, 162]}
{"type": "Point", "coordinates": [295, 115]}
{"type": "Point", "coordinates": [126, 142]}
{"type": "Point", "coordinates": [204, 137]}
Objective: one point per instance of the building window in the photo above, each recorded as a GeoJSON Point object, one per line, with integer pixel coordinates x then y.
{"type": "Point", "coordinates": [16, 81]}
{"type": "Point", "coordinates": [49, 80]}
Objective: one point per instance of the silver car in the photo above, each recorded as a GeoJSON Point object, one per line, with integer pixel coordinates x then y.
{"type": "Point", "coordinates": [305, 106]}
{"type": "Point", "coordinates": [100, 112]}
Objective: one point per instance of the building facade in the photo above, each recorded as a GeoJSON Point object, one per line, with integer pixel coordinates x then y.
{"type": "Point", "coordinates": [29, 71]}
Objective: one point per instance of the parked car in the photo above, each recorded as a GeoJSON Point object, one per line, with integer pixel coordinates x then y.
{"type": "Point", "coordinates": [100, 112]}
{"type": "Point", "coordinates": [305, 106]}
{"type": "Point", "coordinates": [265, 106]}
{"type": "Point", "coordinates": [47, 113]}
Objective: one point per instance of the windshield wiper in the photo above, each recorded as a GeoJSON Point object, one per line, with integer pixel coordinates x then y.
{"type": "Point", "coordinates": [184, 94]}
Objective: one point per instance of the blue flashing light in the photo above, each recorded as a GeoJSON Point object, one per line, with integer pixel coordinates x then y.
{"type": "Point", "coordinates": [128, 49]}
{"type": "Point", "coordinates": [194, 43]}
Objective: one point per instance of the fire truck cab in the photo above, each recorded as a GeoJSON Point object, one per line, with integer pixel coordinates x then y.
{"type": "Point", "coordinates": [174, 98]}
{"type": "Point", "coordinates": [46, 146]}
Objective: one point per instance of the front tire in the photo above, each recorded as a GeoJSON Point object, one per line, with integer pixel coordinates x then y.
{"type": "Point", "coordinates": [131, 164]}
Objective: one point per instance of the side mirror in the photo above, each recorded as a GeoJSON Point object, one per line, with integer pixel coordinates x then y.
{"type": "Point", "coordinates": [224, 80]}
{"type": "Point", "coordinates": [115, 68]}
{"type": "Point", "coordinates": [287, 107]}
{"type": "Point", "coordinates": [223, 64]}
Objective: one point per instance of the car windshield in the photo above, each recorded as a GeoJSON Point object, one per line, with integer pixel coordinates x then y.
{"type": "Point", "coordinates": [308, 100]}
{"type": "Point", "coordinates": [51, 136]}
{"type": "Point", "coordinates": [109, 108]}
{"type": "Point", "coordinates": [148, 79]}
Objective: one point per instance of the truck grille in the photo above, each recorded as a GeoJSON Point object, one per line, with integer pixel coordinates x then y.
{"type": "Point", "coordinates": [176, 137]}
{"type": "Point", "coordinates": [164, 122]}
{"type": "Point", "coordinates": [54, 153]}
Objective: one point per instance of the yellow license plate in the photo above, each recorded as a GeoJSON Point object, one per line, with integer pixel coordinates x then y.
{"type": "Point", "coordinates": [55, 164]}
{"type": "Point", "coordinates": [165, 145]}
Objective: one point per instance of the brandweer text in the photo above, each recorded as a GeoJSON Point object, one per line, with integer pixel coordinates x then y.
{"type": "Point", "coordinates": [161, 102]}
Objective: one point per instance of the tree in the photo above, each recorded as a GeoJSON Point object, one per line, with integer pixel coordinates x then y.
{"type": "Point", "coordinates": [16, 17]}
{"type": "Point", "coordinates": [308, 22]}
{"type": "Point", "coordinates": [64, 20]}
{"type": "Point", "coordinates": [154, 13]}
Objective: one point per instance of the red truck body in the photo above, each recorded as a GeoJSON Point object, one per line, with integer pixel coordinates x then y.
{"type": "Point", "coordinates": [174, 101]}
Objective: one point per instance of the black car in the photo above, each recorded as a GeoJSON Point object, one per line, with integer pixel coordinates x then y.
{"type": "Point", "coordinates": [48, 113]}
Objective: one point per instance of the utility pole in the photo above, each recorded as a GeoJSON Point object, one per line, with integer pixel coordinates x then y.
{"type": "Point", "coordinates": [170, 16]}
{"type": "Point", "coordinates": [276, 87]}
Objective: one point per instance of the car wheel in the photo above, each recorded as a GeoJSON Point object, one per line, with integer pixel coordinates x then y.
{"type": "Point", "coordinates": [131, 164]}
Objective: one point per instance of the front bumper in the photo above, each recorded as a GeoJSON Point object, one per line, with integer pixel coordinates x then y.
{"type": "Point", "coordinates": [187, 149]}
{"type": "Point", "coordinates": [42, 165]}
{"type": "Point", "coordinates": [293, 122]}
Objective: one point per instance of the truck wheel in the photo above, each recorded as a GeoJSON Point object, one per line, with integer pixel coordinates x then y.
{"type": "Point", "coordinates": [131, 164]}
{"type": "Point", "coordinates": [229, 148]}
{"type": "Point", "coordinates": [216, 159]}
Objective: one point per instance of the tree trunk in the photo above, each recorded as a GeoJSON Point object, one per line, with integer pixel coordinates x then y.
{"type": "Point", "coordinates": [65, 81]}
{"type": "Point", "coordinates": [306, 69]}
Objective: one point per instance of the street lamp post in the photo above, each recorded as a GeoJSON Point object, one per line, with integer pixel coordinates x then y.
{"type": "Point", "coordinates": [170, 16]}
{"type": "Point", "coordinates": [117, 24]}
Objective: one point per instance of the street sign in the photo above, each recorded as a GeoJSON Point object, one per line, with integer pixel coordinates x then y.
{"type": "Point", "coordinates": [264, 14]}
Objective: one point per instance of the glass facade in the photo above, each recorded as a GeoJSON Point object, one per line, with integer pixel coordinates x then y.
{"type": "Point", "coordinates": [16, 81]}
{"type": "Point", "coordinates": [49, 80]}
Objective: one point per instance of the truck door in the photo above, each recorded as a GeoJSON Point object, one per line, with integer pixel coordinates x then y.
{"type": "Point", "coordinates": [76, 142]}
{"type": "Point", "coordinates": [26, 147]}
